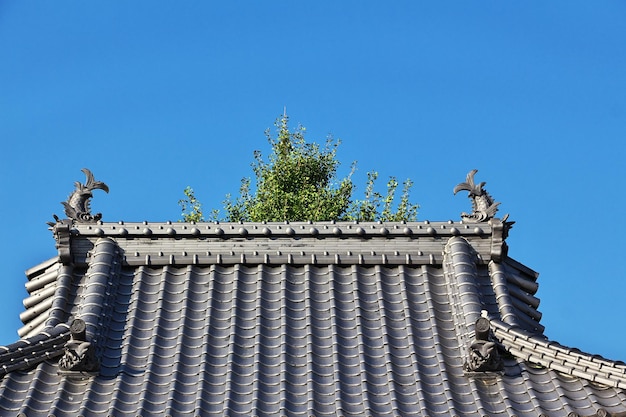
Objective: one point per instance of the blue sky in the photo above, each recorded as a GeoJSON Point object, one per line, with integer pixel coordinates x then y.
{"type": "Point", "coordinates": [154, 96]}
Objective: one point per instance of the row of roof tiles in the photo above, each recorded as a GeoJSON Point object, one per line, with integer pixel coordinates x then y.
{"type": "Point", "coordinates": [302, 243]}
{"type": "Point", "coordinates": [315, 229]}
{"type": "Point", "coordinates": [536, 349]}
{"type": "Point", "coordinates": [293, 339]}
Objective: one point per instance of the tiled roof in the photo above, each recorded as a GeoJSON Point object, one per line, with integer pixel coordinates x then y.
{"type": "Point", "coordinates": [540, 351]}
{"type": "Point", "coordinates": [294, 319]}
{"type": "Point", "coordinates": [28, 352]}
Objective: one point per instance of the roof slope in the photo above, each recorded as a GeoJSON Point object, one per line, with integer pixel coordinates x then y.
{"type": "Point", "coordinates": [294, 319]}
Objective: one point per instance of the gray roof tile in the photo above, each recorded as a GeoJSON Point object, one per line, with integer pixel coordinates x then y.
{"type": "Point", "coordinates": [278, 320]}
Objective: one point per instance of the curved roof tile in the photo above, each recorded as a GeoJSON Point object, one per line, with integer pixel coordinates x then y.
{"type": "Point", "coordinates": [294, 319]}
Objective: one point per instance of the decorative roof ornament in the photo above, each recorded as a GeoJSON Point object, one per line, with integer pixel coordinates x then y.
{"type": "Point", "coordinates": [79, 356]}
{"type": "Point", "coordinates": [483, 353]}
{"type": "Point", "coordinates": [483, 204]}
{"type": "Point", "coordinates": [77, 206]}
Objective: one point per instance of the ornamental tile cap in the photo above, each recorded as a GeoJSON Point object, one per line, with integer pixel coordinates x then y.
{"type": "Point", "coordinates": [483, 353]}
{"type": "Point", "coordinates": [483, 205]}
{"type": "Point", "coordinates": [77, 206]}
{"type": "Point", "coordinates": [79, 358]}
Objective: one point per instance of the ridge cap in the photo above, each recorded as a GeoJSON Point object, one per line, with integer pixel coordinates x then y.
{"type": "Point", "coordinates": [550, 354]}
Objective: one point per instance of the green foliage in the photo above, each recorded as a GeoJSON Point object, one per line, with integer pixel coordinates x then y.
{"type": "Point", "coordinates": [191, 207]}
{"type": "Point", "coordinates": [299, 182]}
{"type": "Point", "coordinates": [369, 209]}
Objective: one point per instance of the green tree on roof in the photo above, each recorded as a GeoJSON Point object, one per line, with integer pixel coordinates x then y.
{"type": "Point", "coordinates": [299, 182]}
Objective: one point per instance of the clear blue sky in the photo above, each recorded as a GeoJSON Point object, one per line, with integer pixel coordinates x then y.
{"type": "Point", "coordinates": [154, 96]}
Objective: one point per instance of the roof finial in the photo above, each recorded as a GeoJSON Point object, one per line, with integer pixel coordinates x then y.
{"type": "Point", "coordinates": [77, 206]}
{"type": "Point", "coordinates": [483, 204]}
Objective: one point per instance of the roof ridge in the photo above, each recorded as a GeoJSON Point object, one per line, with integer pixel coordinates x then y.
{"type": "Point", "coordinates": [256, 243]}
{"type": "Point", "coordinates": [289, 229]}
{"type": "Point", "coordinates": [461, 275]}
{"type": "Point", "coordinates": [540, 350]}
{"type": "Point", "coordinates": [28, 352]}
{"type": "Point", "coordinates": [103, 268]}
